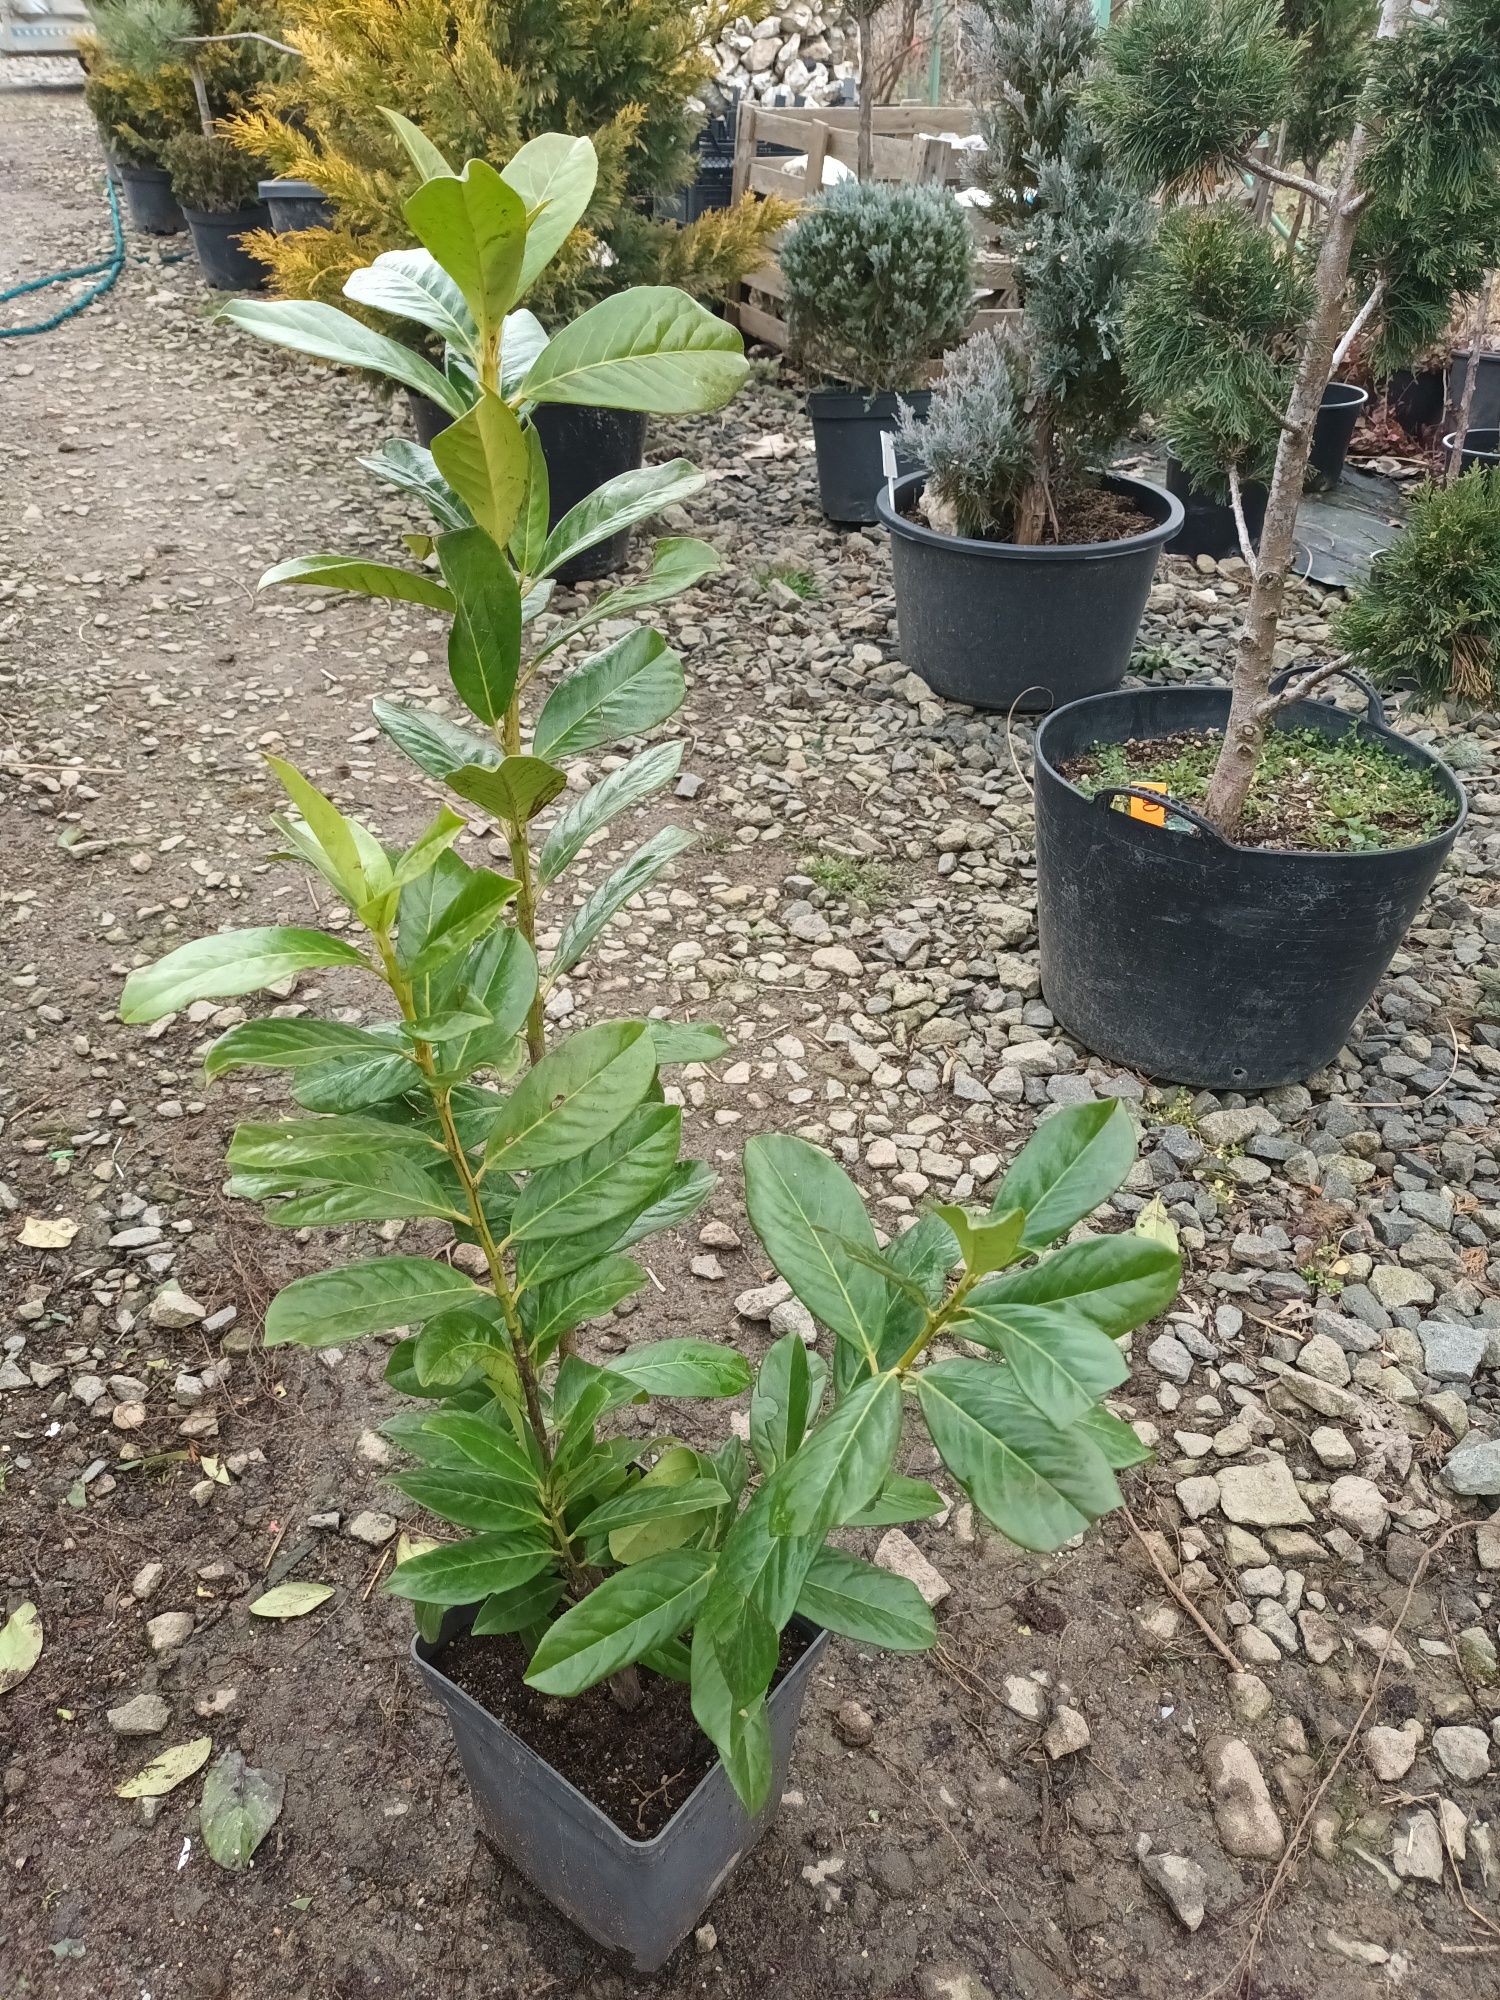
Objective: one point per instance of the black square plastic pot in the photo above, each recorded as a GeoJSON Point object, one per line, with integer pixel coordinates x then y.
{"type": "Point", "coordinates": [223, 259]}
{"type": "Point", "coordinates": [583, 447]}
{"type": "Point", "coordinates": [846, 426]}
{"type": "Point", "coordinates": [1000, 626]}
{"type": "Point", "coordinates": [636, 1896]}
{"type": "Point", "coordinates": [1176, 953]}
{"type": "Point", "coordinates": [1208, 524]}
{"type": "Point", "coordinates": [1484, 412]}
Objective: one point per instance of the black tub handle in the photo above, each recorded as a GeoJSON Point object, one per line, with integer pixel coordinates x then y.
{"type": "Point", "coordinates": [1167, 803]}
{"type": "Point", "coordinates": [1374, 707]}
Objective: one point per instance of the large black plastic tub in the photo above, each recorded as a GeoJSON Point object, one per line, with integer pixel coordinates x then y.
{"type": "Point", "coordinates": [1481, 447]}
{"type": "Point", "coordinates": [223, 259]}
{"type": "Point", "coordinates": [1000, 626]}
{"type": "Point", "coordinates": [846, 427]}
{"type": "Point", "coordinates": [1190, 959]}
{"type": "Point", "coordinates": [635, 1896]}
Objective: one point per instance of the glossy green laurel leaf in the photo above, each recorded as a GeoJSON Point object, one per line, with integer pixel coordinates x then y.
{"type": "Point", "coordinates": [841, 1464]}
{"type": "Point", "coordinates": [650, 348]}
{"type": "Point", "coordinates": [330, 1307]}
{"type": "Point", "coordinates": [1037, 1482]}
{"type": "Point", "coordinates": [330, 335]}
{"type": "Point", "coordinates": [626, 1615]}
{"type": "Point", "coordinates": [575, 1096]}
{"type": "Point", "coordinates": [484, 644]}
{"type": "Point", "coordinates": [1072, 1162]}
{"type": "Point", "coordinates": [854, 1598]}
{"type": "Point", "coordinates": [227, 964]}
{"type": "Point", "coordinates": [361, 578]}
{"type": "Point", "coordinates": [630, 687]}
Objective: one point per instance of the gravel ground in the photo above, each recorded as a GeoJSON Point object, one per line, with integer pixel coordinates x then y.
{"type": "Point", "coordinates": [1077, 1795]}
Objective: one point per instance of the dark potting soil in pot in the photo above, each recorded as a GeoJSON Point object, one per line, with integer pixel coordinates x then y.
{"type": "Point", "coordinates": [636, 1766]}
{"type": "Point", "coordinates": [1090, 514]}
{"type": "Point", "coordinates": [1345, 796]}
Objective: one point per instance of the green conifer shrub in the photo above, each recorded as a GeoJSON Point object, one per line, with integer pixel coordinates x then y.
{"type": "Point", "coordinates": [1428, 615]}
{"type": "Point", "coordinates": [879, 281]}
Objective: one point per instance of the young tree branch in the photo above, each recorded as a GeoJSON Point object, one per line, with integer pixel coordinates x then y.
{"type": "Point", "coordinates": [1299, 690]}
{"type": "Point", "coordinates": [1241, 526]}
{"type": "Point", "coordinates": [1326, 197]}
{"type": "Point", "coordinates": [1357, 324]}
{"type": "Point", "coordinates": [1477, 327]}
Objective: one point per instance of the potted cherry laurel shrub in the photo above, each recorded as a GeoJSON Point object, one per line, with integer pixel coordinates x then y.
{"type": "Point", "coordinates": [594, 1559]}
{"type": "Point", "coordinates": [1259, 904]}
{"type": "Point", "coordinates": [879, 282]}
{"type": "Point", "coordinates": [1021, 569]}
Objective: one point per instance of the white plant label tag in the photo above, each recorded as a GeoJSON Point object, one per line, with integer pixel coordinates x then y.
{"type": "Point", "coordinates": [888, 466]}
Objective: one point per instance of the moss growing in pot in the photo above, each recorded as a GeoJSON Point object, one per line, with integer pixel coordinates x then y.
{"type": "Point", "coordinates": [880, 280]}
{"type": "Point", "coordinates": [1430, 611]}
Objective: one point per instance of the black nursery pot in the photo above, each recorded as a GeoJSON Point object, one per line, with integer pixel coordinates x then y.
{"type": "Point", "coordinates": [1337, 416]}
{"type": "Point", "coordinates": [295, 205]}
{"type": "Point", "coordinates": [149, 200]}
{"type": "Point", "coordinates": [1195, 961]}
{"type": "Point", "coordinates": [1484, 411]}
{"type": "Point", "coordinates": [1481, 447]}
{"type": "Point", "coordinates": [846, 427]}
{"type": "Point", "coordinates": [1208, 527]}
{"type": "Point", "coordinates": [224, 261]}
{"type": "Point", "coordinates": [1000, 626]}
{"type": "Point", "coordinates": [1416, 400]}
{"type": "Point", "coordinates": [583, 447]}
{"type": "Point", "coordinates": [635, 1896]}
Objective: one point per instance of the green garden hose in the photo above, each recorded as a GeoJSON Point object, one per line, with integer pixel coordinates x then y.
{"type": "Point", "coordinates": [104, 274]}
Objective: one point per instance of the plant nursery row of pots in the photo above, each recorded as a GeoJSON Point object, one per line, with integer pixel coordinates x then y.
{"type": "Point", "coordinates": [1223, 876]}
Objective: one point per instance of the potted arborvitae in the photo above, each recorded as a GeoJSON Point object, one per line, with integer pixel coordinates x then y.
{"type": "Point", "coordinates": [1021, 567]}
{"type": "Point", "coordinates": [216, 187]}
{"type": "Point", "coordinates": [1428, 617]}
{"type": "Point", "coordinates": [1259, 887]}
{"type": "Point", "coordinates": [201, 60]}
{"type": "Point", "coordinates": [652, 1579]}
{"type": "Point", "coordinates": [879, 283]}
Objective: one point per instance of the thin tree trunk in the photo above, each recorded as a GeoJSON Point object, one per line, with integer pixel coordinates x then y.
{"type": "Point", "coordinates": [1477, 329]}
{"type": "Point", "coordinates": [1255, 656]}
{"type": "Point", "coordinates": [865, 157]}
{"type": "Point", "coordinates": [200, 91]}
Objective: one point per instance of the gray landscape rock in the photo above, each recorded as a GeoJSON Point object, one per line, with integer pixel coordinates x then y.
{"type": "Point", "coordinates": [1262, 1495]}
{"type": "Point", "coordinates": [142, 1715]}
{"type": "Point", "coordinates": [1463, 1751]}
{"type": "Point", "coordinates": [1473, 1468]}
{"type": "Point", "coordinates": [1356, 1504]}
{"type": "Point", "coordinates": [1180, 1883]}
{"type": "Point", "coordinates": [1243, 1812]}
{"type": "Point", "coordinates": [1452, 1353]}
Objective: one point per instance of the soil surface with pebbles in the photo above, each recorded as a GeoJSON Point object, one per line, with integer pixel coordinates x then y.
{"type": "Point", "coordinates": [1076, 1795]}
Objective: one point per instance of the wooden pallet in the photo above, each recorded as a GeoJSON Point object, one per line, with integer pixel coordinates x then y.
{"type": "Point", "coordinates": [904, 148]}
